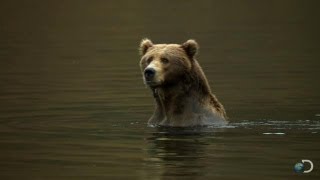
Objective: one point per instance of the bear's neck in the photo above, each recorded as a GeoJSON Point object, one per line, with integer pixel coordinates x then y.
{"type": "Point", "coordinates": [186, 101]}
{"type": "Point", "coordinates": [181, 96]}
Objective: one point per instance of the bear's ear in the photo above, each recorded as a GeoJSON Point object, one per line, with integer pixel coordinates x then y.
{"type": "Point", "coordinates": [144, 46]}
{"type": "Point", "coordinates": [191, 47]}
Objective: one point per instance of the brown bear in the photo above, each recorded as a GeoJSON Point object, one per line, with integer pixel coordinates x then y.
{"type": "Point", "coordinates": [180, 88]}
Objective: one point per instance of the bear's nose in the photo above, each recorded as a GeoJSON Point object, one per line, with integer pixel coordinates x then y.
{"type": "Point", "coordinates": [149, 73]}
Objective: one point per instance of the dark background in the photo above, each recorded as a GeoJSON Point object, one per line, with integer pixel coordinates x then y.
{"type": "Point", "coordinates": [72, 101]}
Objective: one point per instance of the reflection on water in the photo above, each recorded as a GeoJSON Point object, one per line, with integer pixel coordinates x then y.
{"type": "Point", "coordinates": [176, 155]}
{"type": "Point", "coordinates": [73, 105]}
{"type": "Point", "coordinates": [245, 149]}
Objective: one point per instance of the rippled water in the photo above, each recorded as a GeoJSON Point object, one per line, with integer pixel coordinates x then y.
{"type": "Point", "coordinates": [73, 105]}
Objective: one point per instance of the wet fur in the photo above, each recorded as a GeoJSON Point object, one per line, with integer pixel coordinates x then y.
{"type": "Point", "coordinates": [184, 97]}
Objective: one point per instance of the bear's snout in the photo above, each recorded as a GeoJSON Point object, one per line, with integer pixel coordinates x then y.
{"type": "Point", "coordinates": [149, 73]}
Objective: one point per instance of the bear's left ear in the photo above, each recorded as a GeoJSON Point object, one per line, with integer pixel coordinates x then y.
{"type": "Point", "coordinates": [144, 46]}
{"type": "Point", "coordinates": [191, 47]}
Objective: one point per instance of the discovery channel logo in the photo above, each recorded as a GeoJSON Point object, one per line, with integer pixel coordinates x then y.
{"type": "Point", "coordinates": [300, 166]}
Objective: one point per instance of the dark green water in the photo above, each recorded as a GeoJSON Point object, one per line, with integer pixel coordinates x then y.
{"type": "Point", "coordinates": [73, 105]}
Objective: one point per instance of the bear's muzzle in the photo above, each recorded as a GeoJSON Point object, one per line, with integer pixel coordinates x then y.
{"type": "Point", "coordinates": [149, 73]}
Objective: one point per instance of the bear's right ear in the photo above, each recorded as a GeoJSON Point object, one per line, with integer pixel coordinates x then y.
{"type": "Point", "coordinates": [144, 46]}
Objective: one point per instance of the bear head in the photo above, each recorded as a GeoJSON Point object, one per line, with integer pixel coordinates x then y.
{"type": "Point", "coordinates": [166, 64]}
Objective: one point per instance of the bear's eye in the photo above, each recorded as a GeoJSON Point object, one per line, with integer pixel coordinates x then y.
{"type": "Point", "coordinates": [164, 60]}
{"type": "Point", "coordinates": [149, 60]}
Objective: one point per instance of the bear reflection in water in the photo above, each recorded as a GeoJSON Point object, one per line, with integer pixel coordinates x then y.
{"type": "Point", "coordinates": [180, 88]}
{"type": "Point", "coordinates": [186, 152]}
